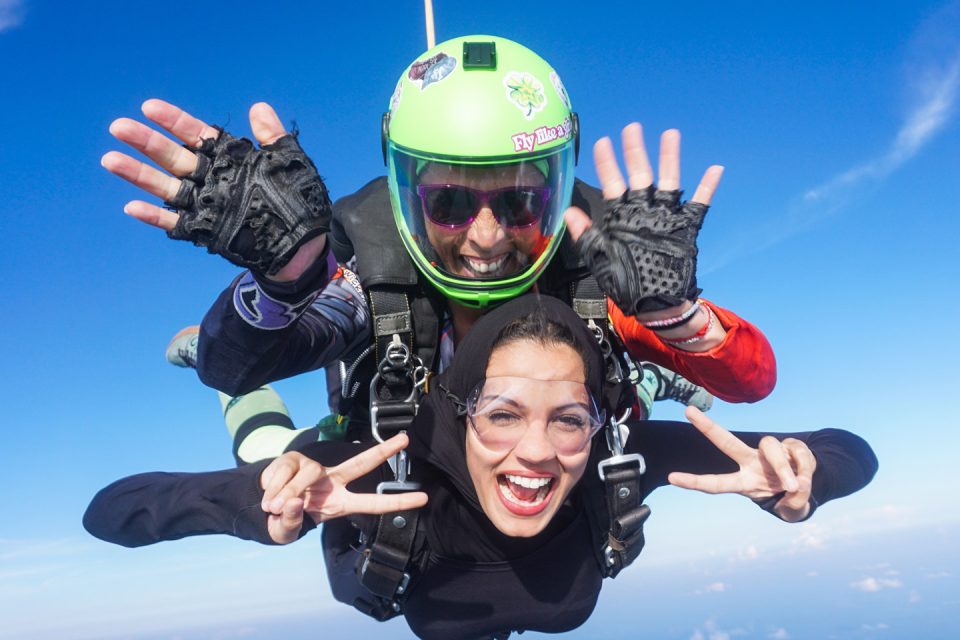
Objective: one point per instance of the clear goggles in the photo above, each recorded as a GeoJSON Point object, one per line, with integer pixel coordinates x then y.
{"type": "Point", "coordinates": [502, 409]}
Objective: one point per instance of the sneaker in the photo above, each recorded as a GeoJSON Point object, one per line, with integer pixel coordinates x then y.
{"type": "Point", "coordinates": [182, 350]}
{"type": "Point", "coordinates": [673, 386]}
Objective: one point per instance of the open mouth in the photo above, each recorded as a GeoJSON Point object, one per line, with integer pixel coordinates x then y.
{"type": "Point", "coordinates": [524, 495]}
{"type": "Point", "coordinates": [494, 267]}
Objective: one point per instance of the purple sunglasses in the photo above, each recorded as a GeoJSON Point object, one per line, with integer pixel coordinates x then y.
{"type": "Point", "coordinates": [455, 206]}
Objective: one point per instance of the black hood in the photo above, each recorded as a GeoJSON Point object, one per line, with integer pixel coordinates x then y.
{"type": "Point", "coordinates": [438, 434]}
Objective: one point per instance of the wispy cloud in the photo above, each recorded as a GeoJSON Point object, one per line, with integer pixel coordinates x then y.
{"type": "Point", "coordinates": [11, 14]}
{"type": "Point", "coordinates": [932, 84]}
{"type": "Point", "coordinates": [715, 587]}
{"type": "Point", "coordinates": [872, 585]}
{"type": "Point", "coordinates": [938, 95]}
{"type": "Point", "coordinates": [779, 634]}
{"type": "Point", "coordinates": [710, 631]}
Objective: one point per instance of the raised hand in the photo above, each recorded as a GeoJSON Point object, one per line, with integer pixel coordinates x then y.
{"type": "Point", "coordinates": [644, 252]}
{"type": "Point", "coordinates": [294, 484]}
{"type": "Point", "coordinates": [262, 209]}
{"type": "Point", "coordinates": [776, 466]}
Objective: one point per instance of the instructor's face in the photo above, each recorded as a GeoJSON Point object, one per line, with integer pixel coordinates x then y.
{"type": "Point", "coordinates": [483, 248]}
{"type": "Point", "coordinates": [522, 488]}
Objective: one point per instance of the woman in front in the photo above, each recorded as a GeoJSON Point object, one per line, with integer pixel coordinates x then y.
{"type": "Point", "coordinates": [506, 454]}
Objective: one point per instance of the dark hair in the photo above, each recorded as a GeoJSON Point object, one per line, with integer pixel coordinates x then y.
{"type": "Point", "coordinates": [538, 327]}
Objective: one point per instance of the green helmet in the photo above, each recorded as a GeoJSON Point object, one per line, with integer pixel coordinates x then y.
{"type": "Point", "coordinates": [480, 143]}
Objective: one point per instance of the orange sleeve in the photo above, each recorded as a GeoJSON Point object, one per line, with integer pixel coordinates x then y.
{"type": "Point", "coordinates": [742, 368]}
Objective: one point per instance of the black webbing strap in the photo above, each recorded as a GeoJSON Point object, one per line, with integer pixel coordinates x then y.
{"type": "Point", "coordinates": [390, 309]}
{"type": "Point", "coordinates": [382, 567]}
{"type": "Point", "coordinates": [621, 474]}
{"type": "Point", "coordinates": [623, 496]}
{"type": "Point", "coordinates": [589, 300]}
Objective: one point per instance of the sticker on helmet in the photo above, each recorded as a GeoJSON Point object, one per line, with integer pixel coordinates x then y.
{"type": "Point", "coordinates": [560, 89]}
{"type": "Point", "coordinates": [526, 92]}
{"type": "Point", "coordinates": [395, 98]}
{"type": "Point", "coordinates": [530, 140]}
{"type": "Point", "coordinates": [432, 70]}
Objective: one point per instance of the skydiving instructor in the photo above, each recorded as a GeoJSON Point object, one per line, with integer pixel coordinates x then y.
{"type": "Point", "coordinates": [480, 142]}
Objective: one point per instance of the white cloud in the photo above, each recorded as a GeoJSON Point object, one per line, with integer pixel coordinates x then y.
{"type": "Point", "coordinates": [880, 626]}
{"type": "Point", "coordinates": [871, 584]}
{"type": "Point", "coordinates": [938, 96]}
{"type": "Point", "coordinates": [914, 597]}
{"type": "Point", "coordinates": [11, 14]}
{"type": "Point", "coordinates": [710, 631]}
{"type": "Point", "coordinates": [750, 553]}
{"type": "Point", "coordinates": [812, 535]}
{"type": "Point", "coordinates": [780, 634]}
{"type": "Point", "coordinates": [714, 587]}
{"type": "Point", "coordinates": [939, 574]}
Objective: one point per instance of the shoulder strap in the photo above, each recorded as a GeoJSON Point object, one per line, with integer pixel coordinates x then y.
{"type": "Point", "coordinates": [619, 540]}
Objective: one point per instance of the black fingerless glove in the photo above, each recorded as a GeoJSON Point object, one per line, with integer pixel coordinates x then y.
{"type": "Point", "coordinates": [255, 207]}
{"type": "Point", "coordinates": [644, 252]}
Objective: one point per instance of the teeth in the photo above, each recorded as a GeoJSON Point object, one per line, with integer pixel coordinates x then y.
{"type": "Point", "coordinates": [541, 496]}
{"type": "Point", "coordinates": [487, 267]}
{"type": "Point", "coordinates": [529, 483]}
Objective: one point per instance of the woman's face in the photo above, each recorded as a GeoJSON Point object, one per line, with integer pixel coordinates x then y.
{"type": "Point", "coordinates": [485, 248]}
{"type": "Point", "coordinates": [510, 483]}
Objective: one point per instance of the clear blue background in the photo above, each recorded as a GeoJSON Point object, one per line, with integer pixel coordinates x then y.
{"type": "Point", "coordinates": [834, 231]}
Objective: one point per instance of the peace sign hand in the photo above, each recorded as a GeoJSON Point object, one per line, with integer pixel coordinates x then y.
{"type": "Point", "coordinates": [644, 251]}
{"type": "Point", "coordinates": [264, 209]}
{"type": "Point", "coordinates": [775, 467]}
{"type": "Point", "coordinates": [294, 484]}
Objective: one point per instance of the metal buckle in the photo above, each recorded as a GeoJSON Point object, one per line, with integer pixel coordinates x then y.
{"type": "Point", "coordinates": [400, 465]}
{"type": "Point", "coordinates": [614, 434]}
{"type": "Point", "coordinates": [622, 460]}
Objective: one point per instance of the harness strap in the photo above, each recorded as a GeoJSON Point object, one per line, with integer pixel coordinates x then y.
{"type": "Point", "coordinates": [621, 474]}
{"type": "Point", "coordinates": [390, 309]}
{"type": "Point", "coordinates": [625, 540]}
{"type": "Point", "coordinates": [382, 567]}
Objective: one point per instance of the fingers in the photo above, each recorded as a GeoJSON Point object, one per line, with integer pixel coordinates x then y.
{"type": "Point", "coordinates": [774, 457]}
{"type": "Point", "coordinates": [141, 175]}
{"type": "Point", "coordinates": [181, 124]}
{"type": "Point", "coordinates": [369, 460]}
{"type": "Point", "coordinates": [377, 503]}
{"type": "Point", "coordinates": [285, 528]}
{"type": "Point", "coordinates": [804, 464]}
{"type": "Point", "coordinates": [722, 439]}
{"type": "Point", "coordinates": [708, 185]}
{"type": "Point", "coordinates": [726, 483]}
{"type": "Point", "coordinates": [577, 222]}
{"type": "Point", "coordinates": [286, 477]}
{"type": "Point", "coordinates": [156, 146]}
{"type": "Point", "coordinates": [605, 160]}
{"type": "Point", "coordinates": [639, 171]}
{"type": "Point", "coordinates": [151, 214]}
{"type": "Point", "coordinates": [265, 124]}
{"type": "Point", "coordinates": [669, 160]}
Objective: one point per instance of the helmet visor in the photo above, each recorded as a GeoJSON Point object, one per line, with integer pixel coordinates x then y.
{"type": "Point", "coordinates": [474, 227]}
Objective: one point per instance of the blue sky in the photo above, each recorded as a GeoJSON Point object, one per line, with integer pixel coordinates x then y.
{"type": "Point", "coordinates": [833, 230]}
